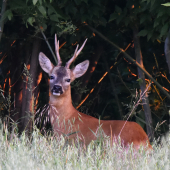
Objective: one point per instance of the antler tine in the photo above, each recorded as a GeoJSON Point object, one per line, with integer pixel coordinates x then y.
{"type": "Point", "coordinates": [73, 58]}
{"type": "Point", "coordinates": [57, 51]}
{"type": "Point", "coordinates": [76, 53]}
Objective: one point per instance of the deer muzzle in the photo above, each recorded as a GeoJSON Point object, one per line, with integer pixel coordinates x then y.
{"type": "Point", "coordinates": [57, 90]}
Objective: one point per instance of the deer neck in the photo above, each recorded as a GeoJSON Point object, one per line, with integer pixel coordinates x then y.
{"type": "Point", "coordinates": [63, 105]}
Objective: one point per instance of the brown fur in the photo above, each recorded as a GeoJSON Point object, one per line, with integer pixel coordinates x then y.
{"type": "Point", "coordinates": [67, 121]}
{"type": "Point", "coordinates": [85, 126]}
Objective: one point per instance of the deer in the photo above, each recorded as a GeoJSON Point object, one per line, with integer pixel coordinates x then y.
{"type": "Point", "coordinates": [64, 117]}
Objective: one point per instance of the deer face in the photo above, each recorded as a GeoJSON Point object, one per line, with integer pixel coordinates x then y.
{"type": "Point", "coordinates": [60, 76]}
{"type": "Point", "coordinates": [60, 79]}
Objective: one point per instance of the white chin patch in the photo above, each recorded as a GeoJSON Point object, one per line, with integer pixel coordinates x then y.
{"type": "Point", "coordinates": [56, 94]}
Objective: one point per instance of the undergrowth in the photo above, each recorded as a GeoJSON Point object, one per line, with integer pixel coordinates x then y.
{"type": "Point", "coordinates": [42, 152]}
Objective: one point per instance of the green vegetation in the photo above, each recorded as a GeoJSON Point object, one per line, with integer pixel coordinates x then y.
{"type": "Point", "coordinates": [40, 152]}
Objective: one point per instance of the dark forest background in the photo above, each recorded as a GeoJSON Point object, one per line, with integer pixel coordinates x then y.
{"type": "Point", "coordinates": [120, 35]}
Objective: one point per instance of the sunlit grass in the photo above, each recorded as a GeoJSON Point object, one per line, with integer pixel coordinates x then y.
{"type": "Point", "coordinates": [38, 152]}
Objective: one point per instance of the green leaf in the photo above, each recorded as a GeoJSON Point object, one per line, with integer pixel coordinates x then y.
{"type": "Point", "coordinates": [96, 2]}
{"type": "Point", "coordinates": [103, 21]}
{"type": "Point", "coordinates": [84, 18]}
{"type": "Point", "coordinates": [40, 1]}
{"type": "Point", "coordinates": [31, 20]}
{"type": "Point", "coordinates": [143, 18]}
{"type": "Point", "coordinates": [119, 19]}
{"type": "Point", "coordinates": [96, 11]}
{"type": "Point", "coordinates": [54, 18]}
{"type": "Point", "coordinates": [44, 26]}
{"type": "Point", "coordinates": [53, 30]}
{"type": "Point", "coordinates": [112, 17]}
{"type": "Point", "coordinates": [10, 15]}
{"type": "Point", "coordinates": [140, 81]}
{"type": "Point", "coordinates": [86, 1]}
{"type": "Point", "coordinates": [118, 9]}
{"type": "Point", "coordinates": [156, 23]}
{"type": "Point", "coordinates": [51, 10]}
{"type": "Point", "coordinates": [152, 3]}
{"type": "Point", "coordinates": [143, 33]}
{"type": "Point", "coordinates": [166, 4]}
{"type": "Point", "coordinates": [127, 21]}
{"type": "Point", "coordinates": [6, 14]}
{"type": "Point", "coordinates": [164, 29]}
{"type": "Point", "coordinates": [74, 10]}
{"type": "Point", "coordinates": [34, 2]}
{"type": "Point", "coordinates": [77, 2]}
{"type": "Point", "coordinates": [82, 10]}
{"type": "Point", "coordinates": [164, 19]}
{"type": "Point", "coordinates": [149, 35]}
{"type": "Point", "coordinates": [160, 13]}
{"type": "Point", "coordinates": [42, 10]}
{"type": "Point", "coordinates": [148, 1]}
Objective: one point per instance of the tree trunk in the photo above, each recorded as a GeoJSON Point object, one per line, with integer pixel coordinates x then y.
{"type": "Point", "coordinates": [86, 78]}
{"type": "Point", "coordinates": [29, 90]}
{"type": "Point", "coordinates": [17, 82]}
{"type": "Point", "coordinates": [139, 59]}
{"type": "Point", "coordinates": [167, 55]}
{"type": "Point", "coordinates": [4, 3]}
{"type": "Point", "coordinates": [167, 50]}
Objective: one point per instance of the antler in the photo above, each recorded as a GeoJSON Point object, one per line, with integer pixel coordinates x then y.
{"type": "Point", "coordinates": [57, 51]}
{"type": "Point", "coordinates": [76, 53]}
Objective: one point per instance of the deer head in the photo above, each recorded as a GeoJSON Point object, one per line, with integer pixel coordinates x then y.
{"type": "Point", "coordinates": [62, 76]}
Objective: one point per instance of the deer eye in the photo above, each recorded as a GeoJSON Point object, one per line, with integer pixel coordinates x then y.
{"type": "Point", "coordinates": [67, 80]}
{"type": "Point", "coordinates": [51, 77]}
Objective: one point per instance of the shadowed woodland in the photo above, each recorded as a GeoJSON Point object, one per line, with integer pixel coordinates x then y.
{"type": "Point", "coordinates": [128, 49]}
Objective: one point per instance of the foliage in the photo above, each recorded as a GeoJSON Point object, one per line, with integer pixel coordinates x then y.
{"type": "Point", "coordinates": [151, 16]}
{"type": "Point", "coordinates": [166, 4]}
{"type": "Point", "coordinates": [39, 14]}
{"type": "Point", "coordinates": [115, 20]}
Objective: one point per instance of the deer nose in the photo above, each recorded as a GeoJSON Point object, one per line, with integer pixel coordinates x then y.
{"type": "Point", "coordinates": [57, 88]}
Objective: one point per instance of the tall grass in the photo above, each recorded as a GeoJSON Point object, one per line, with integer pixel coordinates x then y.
{"type": "Point", "coordinates": [38, 152]}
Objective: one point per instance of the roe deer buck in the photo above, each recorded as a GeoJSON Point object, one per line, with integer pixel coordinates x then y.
{"type": "Point", "coordinates": [66, 120]}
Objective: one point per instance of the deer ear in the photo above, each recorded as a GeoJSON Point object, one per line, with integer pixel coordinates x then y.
{"type": "Point", "coordinates": [45, 63]}
{"type": "Point", "coordinates": [80, 69]}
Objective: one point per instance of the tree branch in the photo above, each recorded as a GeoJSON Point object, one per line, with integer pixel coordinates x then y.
{"type": "Point", "coordinates": [130, 58]}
